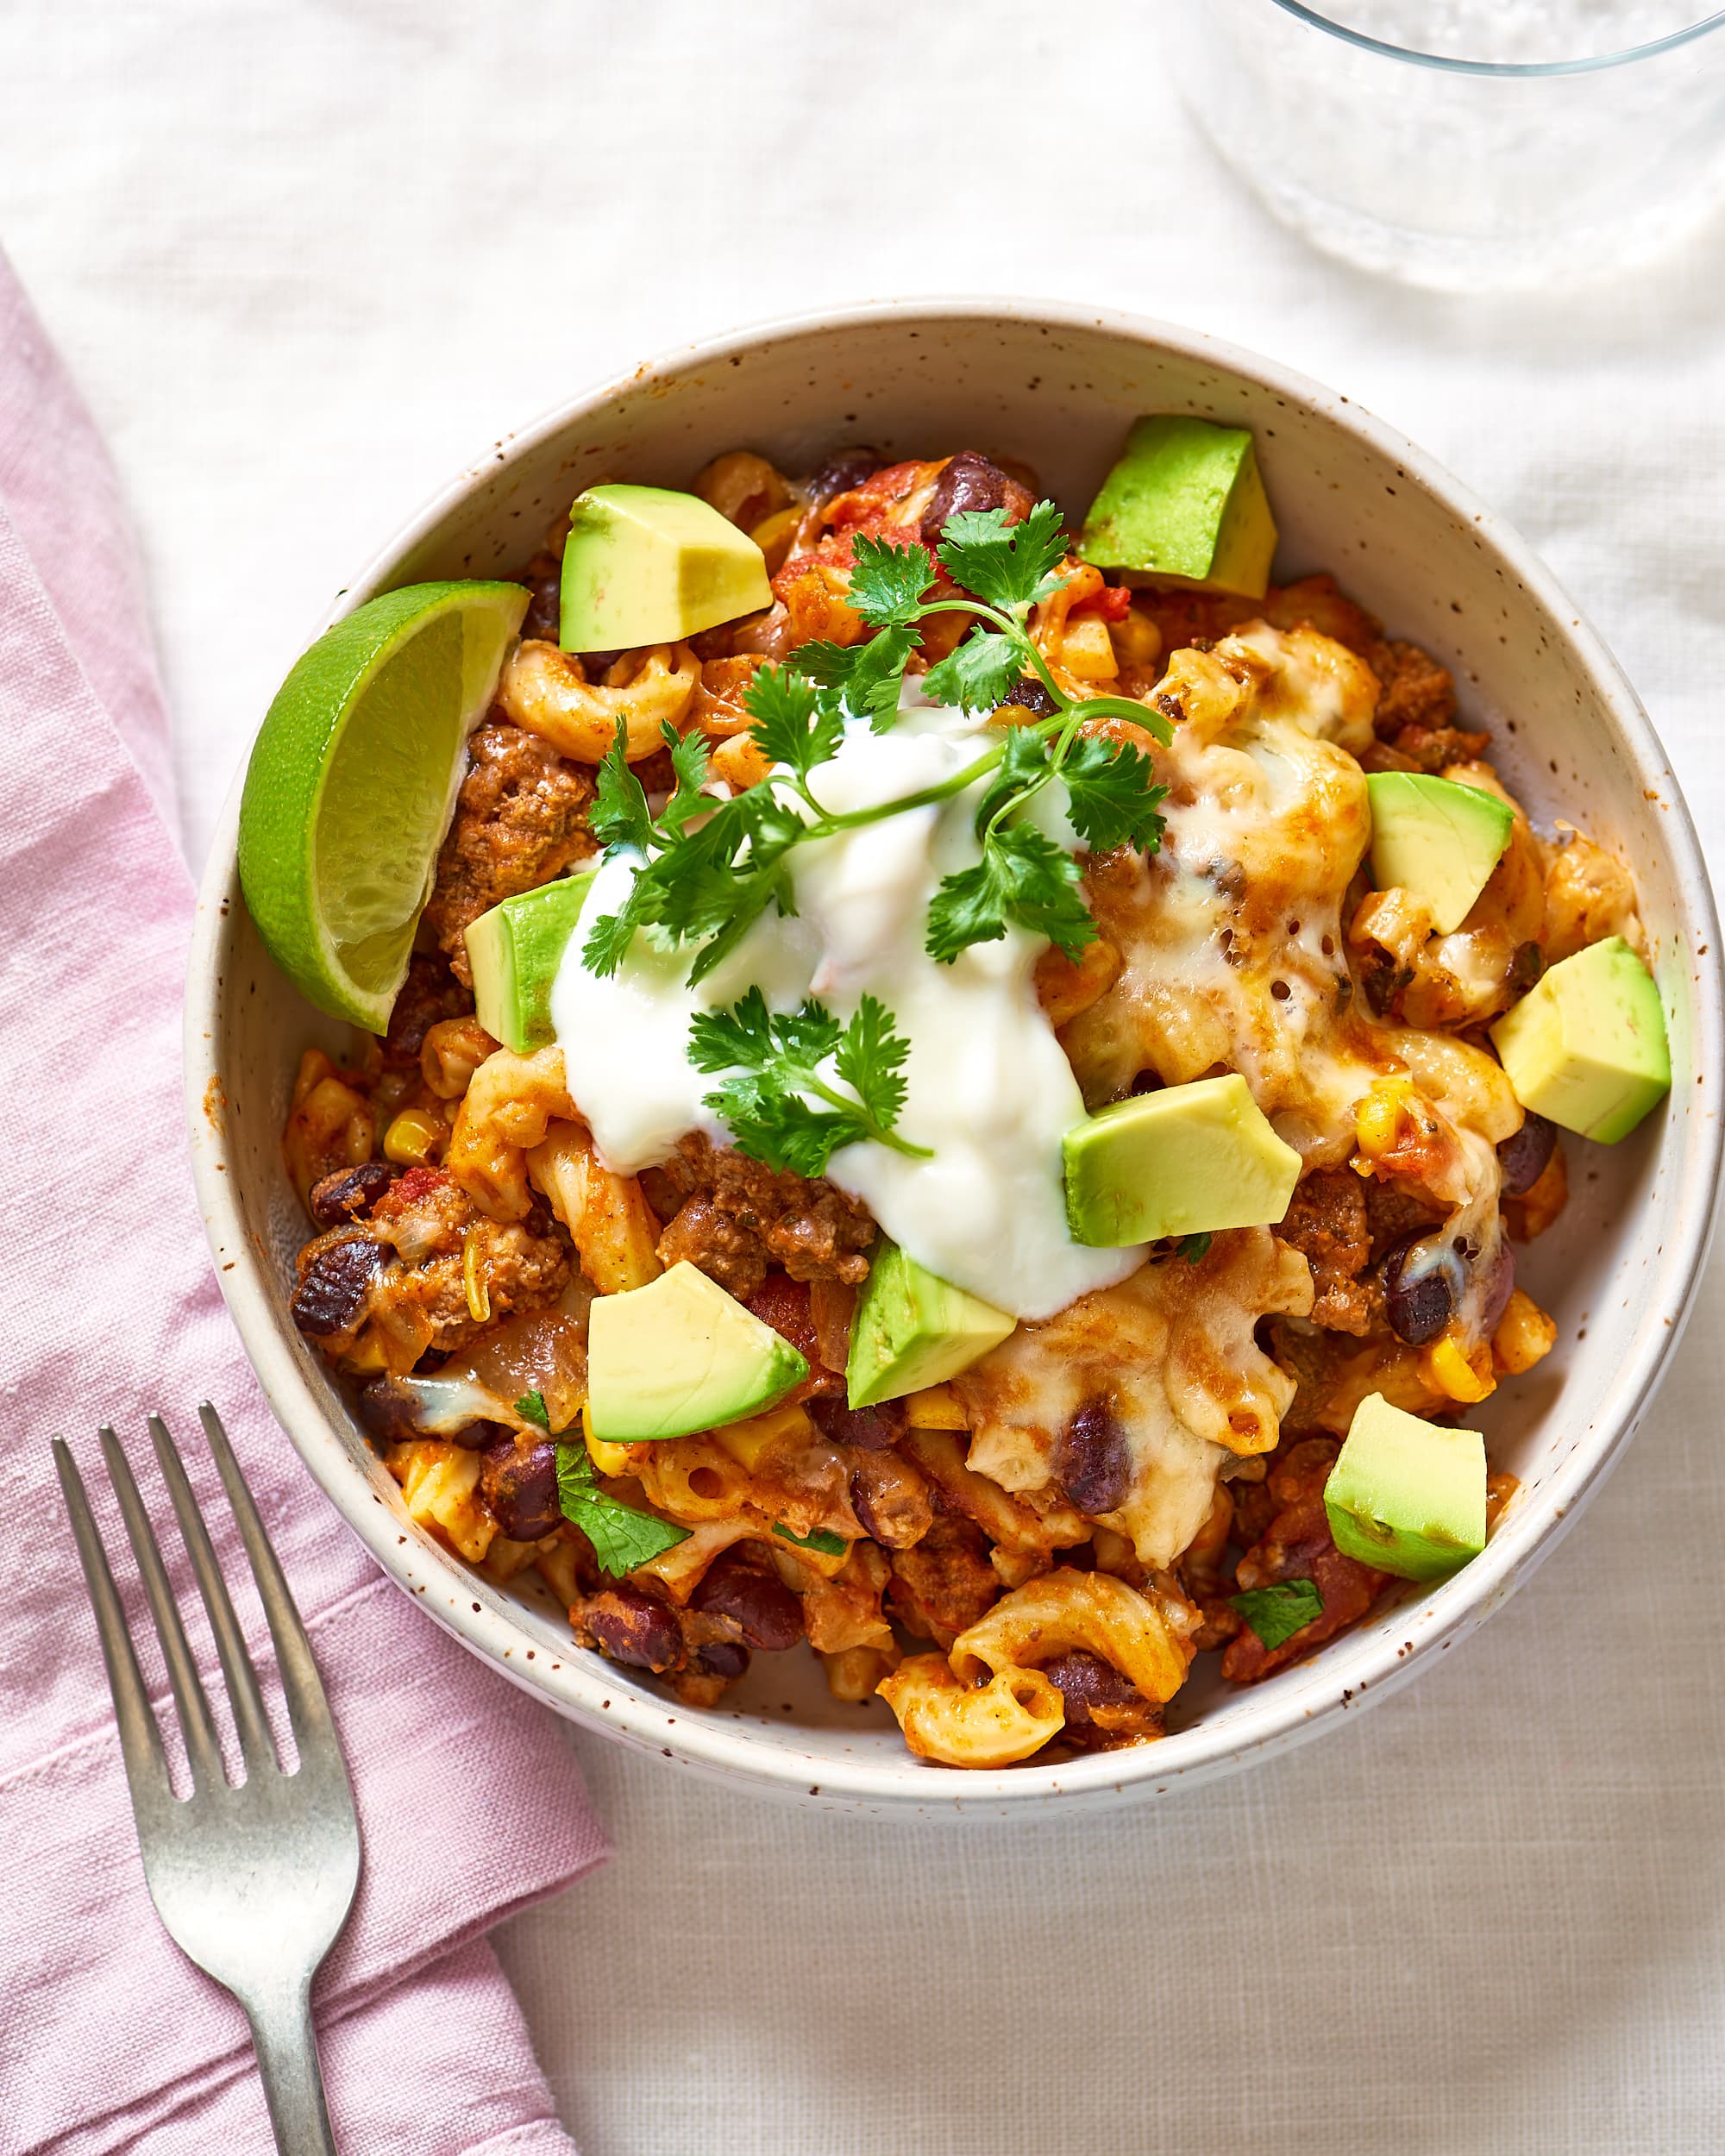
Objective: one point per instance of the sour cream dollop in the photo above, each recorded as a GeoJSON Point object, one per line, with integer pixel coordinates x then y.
{"type": "Point", "coordinates": [989, 1091]}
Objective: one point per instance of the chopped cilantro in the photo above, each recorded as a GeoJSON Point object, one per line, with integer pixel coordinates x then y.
{"type": "Point", "coordinates": [622, 1537]}
{"type": "Point", "coordinates": [823, 1538]}
{"type": "Point", "coordinates": [531, 1408]}
{"type": "Point", "coordinates": [1277, 1613]}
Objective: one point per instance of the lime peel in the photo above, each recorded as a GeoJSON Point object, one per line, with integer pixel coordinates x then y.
{"type": "Point", "coordinates": [352, 785]}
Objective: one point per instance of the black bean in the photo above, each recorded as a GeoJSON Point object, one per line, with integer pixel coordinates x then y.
{"type": "Point", "coordinates": [350, 1193]}
{"type": "Point", "coordinates": [597, 664]}
{"type": "Point", "coordinates": [1028, 692]}
{"type": "Point", "coordinates": [837, 473]}
{"type": "Point", "coordinates": [394, 1412]}
{"type": "Point", "coordinates": [870, 1429]}
{"type": "Point", "coordinates": [544, 581]}
{"type": "Point", "coordinates": [1093, 1459]}
{"type": "Point", "coordinates": [1146, 1081]}
{"type": "Point", "coordinates": [736, 1586]}
{"type": "Point", "coordinates": [967, 482]}
{"type": "Point", "coordinates": [332, 1293]}
{"type": "Point", "coordinates": [1423, 1281]}
{"type": "Point", "coordinates": [1524, 1157]}
{"type": "Point", "coordinates": [723, 1658]}
{"type": "Point", "coordinates": [519, 1487]}
{"type": "Point", "coordinates": [631, 1627]}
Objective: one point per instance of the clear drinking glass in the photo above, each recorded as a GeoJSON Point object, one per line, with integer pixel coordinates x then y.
{"type": "Point", "coordinates": [1466, 143]}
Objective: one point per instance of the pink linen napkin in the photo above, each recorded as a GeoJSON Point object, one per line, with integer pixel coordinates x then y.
{"type": "Point", "coordinates": [469, 1801]}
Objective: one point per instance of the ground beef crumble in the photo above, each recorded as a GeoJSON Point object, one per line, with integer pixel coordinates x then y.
{"type": "Point", "coordinates": [736, 1217]}
{"type": "Point", "coordinates": [1327, 1224]}
{"type": "Point", "coordinates": [521, 819]}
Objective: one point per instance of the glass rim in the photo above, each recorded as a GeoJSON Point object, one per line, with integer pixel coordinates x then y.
{"type": "Point", "coordinates": [1589, 64]}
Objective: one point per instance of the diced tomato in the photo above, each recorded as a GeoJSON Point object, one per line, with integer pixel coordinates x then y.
{"type": "Point", "coordinates": [1113, 602]}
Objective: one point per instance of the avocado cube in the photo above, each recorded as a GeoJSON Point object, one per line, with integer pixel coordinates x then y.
{"type": "Point", "coordinates": [1181, 1162]}
{"type": "Point", "coordinates": [1586, 1047]}
{"type": "Point", "coordinates": [1184, 505]}
{"type": "Point", "coordinates": [1405, 1496]}
{"type": "Point", "coordinates": [677, 1356]}
{"type": "Point", "coordinates": [1437, 839]}
{"type": "Point", "coordinates": [515, 951]}
{"type": "Point", "coordinates": [643, 565]}
{"type": "Point", "coordinates": [913, 1329]}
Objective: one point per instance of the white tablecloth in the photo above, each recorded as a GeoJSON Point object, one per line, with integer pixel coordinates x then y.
{"type": "Point", "coordinates": [305, 258]}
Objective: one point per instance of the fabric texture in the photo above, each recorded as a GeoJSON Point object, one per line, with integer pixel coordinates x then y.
{"type": "Point", "coordinates": [470, 1804]}
{"type": "Point", "coordinates": [311, 262]}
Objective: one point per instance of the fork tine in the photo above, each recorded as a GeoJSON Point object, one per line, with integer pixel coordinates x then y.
{"type": "Point", "coordinates": [243, 1693]}
{"type": "Point", "coordinates": [202, 1750]}
{"type": "Point", "coordinates": [308, 1708]}
{"type": "Point", "coordinates": [141, 1744]}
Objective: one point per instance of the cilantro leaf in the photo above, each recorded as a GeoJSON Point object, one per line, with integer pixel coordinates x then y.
{"type": "Point", "coordinates": [689, 762]}
{"type": "Point", "coordinates": [823, 1538]}
{"type": "Point", "coordinates": [1026, 761]}
{"type": "Point", "coordinates": [1194, 1249]}
{"type": "Point", "coordinates": [621, 1536]}
{"type": "Point", "coordinates": [870, 1059]}
{"type": "Point", "coordinates": [1112, 799]}
{"type": "Point", "coordinates": [791, 723]}
{"type": "Point", "coordinates": [866, 678]}
{"type": "Point", "coordinates": [1022, 877]}
{"type": "Point", "coordinates": [1004, 565]}
{"type": "Point", "coordinates": [531, 1408]}
{"type": "Point", "coordinates": [889, 583]}
{"type": "Point", "coordinates": [620, 815]}
{"type": "Point", "coordinates": [976, 674]}
{"type": "Point", "coordinates": [769, 1062]}
{"type": "Point", "coordinates": [1277, 1613]}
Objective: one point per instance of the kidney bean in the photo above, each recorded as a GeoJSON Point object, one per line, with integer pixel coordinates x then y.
{"type": "Point", "coordinates": [520, 1487]}
{"type": "Point", "coordinates": [870, 1429]}
{"type": "Point", "coordinates": [783, 1303]}
{"type": "Point", "coordinates": [544, 581]}
{"type": "Point", "coordinates": [333, 1291]}
{"type": "Point", "coordinates": [1146, 1081]}
{"type": "Point", "coordinates": [891, 1500]}
{"type": "Point", "coordinates": [1084, 1680]}
{"type": "Point", "coordinates": [1423, 1281]}
{"type": "Point", "coordinates": [1500, 1285]}
{"type": "Point", "coordinates": [723, 1658]}
{"type": "Point", "coordinates": [391, 1410]}
{"type": "Point", "coordinates": [1526, 967]}
{"type": "Point", "coordinates": [1093, 1460]}
{"type": "Point", "coordinates": [1029, 694]}
{"type": "Point", "coordinates": [968, 481]}
{"type": "Point", "coordinates": [837, 473]}
{"type": "Point", "coordinates": [350, 1193]}
{"type": "Point", "coordinates": [737, 1586]}
{"type": "Point", "coordinates": [631, 1627]}
{"type": "Point", "coordinates": [1524, 1156]}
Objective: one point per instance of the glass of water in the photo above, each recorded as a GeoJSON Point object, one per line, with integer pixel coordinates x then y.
{"type": "Point", "coordinates": [1466, 143]}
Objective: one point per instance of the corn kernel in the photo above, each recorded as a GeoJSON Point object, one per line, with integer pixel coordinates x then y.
{"type": "Point", "coordinates": [367, 1357]}
{"type": "Point", "coordinates": [749, 1442]}
{"type": "Point", "coordinates": [1377, 1114]}
{"type": "Point", "coordinates": [608, 1459]}
{"type": "Point", "coordinates": [413, 1138]}
{"type": "Point", "coordinates": [935, 1407]}
{"type": "Point", "coordinates": [1524, 1335]}
{"type": "Point", "coordinates": [1454, 1374]}
{"type": "Point", "coordinates": [1087, 652]}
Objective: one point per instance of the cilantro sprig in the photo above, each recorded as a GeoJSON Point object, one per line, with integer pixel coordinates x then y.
{"type": "Point", "coordinates": [772, 1061]}
{"type": "Point", "coordinates": [1277, 1613]}
{"type": "Point", "coordinates": [707, 881]}
{"type": "Point", "coordinates": [622, 1537]}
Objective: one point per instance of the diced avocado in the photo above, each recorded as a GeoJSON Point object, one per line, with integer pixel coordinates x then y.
{"type": "Point", "coordinates": [645, 566]}
{"type": "Point", "coordinates": [515, 951]}
{"type": "Point", "coordinates": [1184, 505]}
{"type": "Point", "coordinates": [677, 1356]}
{"type": "Point", "coordinates": [1586, 1046]}
{"type": "Point", "coordinates": [912, 1330]}
{"type": "Point", "coordinates": [1437, 839]}
{"type": "Point", "coordinates": [1182, 1162]}
{"type": "Point", "coordinates": [1405, 1496]}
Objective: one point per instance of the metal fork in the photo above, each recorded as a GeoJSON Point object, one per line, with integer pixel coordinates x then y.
{"type": "Point", "coordinates": [253, 1883]}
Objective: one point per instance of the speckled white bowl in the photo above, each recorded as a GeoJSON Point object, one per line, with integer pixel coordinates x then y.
{"type": "Point", "coordinates": [1055, 385]}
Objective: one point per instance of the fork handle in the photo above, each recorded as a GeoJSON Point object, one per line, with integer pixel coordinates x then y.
{"type": "Point", "coordinates": [287, 2061]}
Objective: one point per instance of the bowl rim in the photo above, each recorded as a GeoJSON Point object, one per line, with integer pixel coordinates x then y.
{"type": "Point", "coordinates": [1358, 1668]}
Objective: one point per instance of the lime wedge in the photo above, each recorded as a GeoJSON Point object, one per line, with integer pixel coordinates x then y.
{"type": "Point", "coordinates": [352, 784]}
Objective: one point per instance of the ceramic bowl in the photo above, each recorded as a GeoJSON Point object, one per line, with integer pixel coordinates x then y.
{"type": "Point", "coordinates": [1056, 386]}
